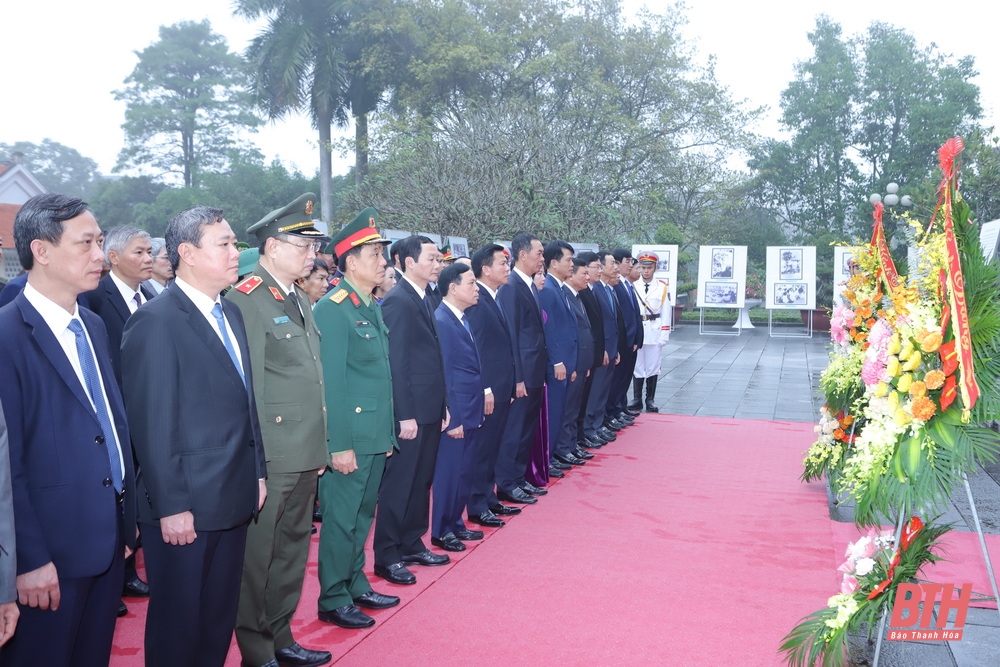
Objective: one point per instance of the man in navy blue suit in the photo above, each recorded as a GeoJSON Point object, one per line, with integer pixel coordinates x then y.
{"type": "Point", "coordinates": [467, 396]}
{"type": "Point", "coordinates": [71, 464]}
{"type": "Point", "coordinates": [566, 443]}
{"type": "Point", "coordinates": [496, 354]}
{"type": "Point", "coordinates": [519, 300]}
{"type": "Point", "coordinates": [601, 388]}
{"type": "Point", "coordinates": [618, 414]}
{"type": "Point", "coordinates": [561, 347]}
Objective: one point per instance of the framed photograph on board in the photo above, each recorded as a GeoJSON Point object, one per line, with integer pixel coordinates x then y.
{"type": "Point", "coordinates": [790, 294]}
{"type": "Point", "coordinates": [722, 263]}
{"type": "Point", "coordinates": [721, 293]}
{"type": "Point", "coordinates": [790, 267]}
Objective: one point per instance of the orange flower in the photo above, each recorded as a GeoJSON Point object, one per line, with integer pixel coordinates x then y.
{"type": "Point", "coordinates": [918, 389]}
{"type": "Point", "coordinates": [839, 434]}
{"type": "Point", "coordinates": [934, 379]}
{"type": "Point", "coordinates": [870, 323]}
{"type": "Point", "coordinates": [864, 312]}
{"type": "Point", "coordinates": [931, 342]}
{"type": "Point", "coordinates": [923, 408]}
{"type": "Point", "coordinates": [847, 420]}
{"type": "Point", "coordinates": [919, 336]}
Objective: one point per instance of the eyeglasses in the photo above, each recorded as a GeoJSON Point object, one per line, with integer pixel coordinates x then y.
{"type": "Point", "coordinates": [315, 245]}
{"type": "Point", "coordinates": [165, 258]}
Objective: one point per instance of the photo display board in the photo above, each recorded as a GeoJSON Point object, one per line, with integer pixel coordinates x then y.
{"type": "Point", "coordinates": [791, 278]}
{"type": "Point", "coordinates": [459, 246]}
{"type": "Point", "coordinates": [722, 276]}
{"type": "Point", "coordinates": [841, 272]}
{"type": "Point", "coordinates": [666, 265]}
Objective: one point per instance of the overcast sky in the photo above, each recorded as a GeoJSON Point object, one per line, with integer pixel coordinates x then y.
{"type": "Point", "coordinates": [63, 58]}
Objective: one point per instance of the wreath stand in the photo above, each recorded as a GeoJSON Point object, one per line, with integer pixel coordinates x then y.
{"type": "Point", "coordinates": [982, 545]}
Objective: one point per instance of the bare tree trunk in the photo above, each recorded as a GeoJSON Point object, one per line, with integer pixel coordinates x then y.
{"type": "Point", "coordinates": [325, 168]}
{"type": "Point", "coordinates": [360, 148]}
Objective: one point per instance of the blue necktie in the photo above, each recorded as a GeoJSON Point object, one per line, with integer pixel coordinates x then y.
{"type": "Point", "coordinates": [465, 323]}
{"type": "Point", "coordinates": [611, 298]}
{"type": "Point", "coordinates": [92, 379]}
{"type": "Point", "coordinates": [221, 321]}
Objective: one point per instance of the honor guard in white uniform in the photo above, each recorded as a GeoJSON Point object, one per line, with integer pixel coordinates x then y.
{"type": "Point", "coordinates": [654, 306]}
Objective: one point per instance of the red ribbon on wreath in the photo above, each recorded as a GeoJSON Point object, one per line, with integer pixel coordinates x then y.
{"type": "Point", "coordinates": [910, 532]}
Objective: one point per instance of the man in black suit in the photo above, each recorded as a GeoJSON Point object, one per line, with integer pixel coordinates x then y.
{"type": "Point", "coordinates": [189, 393]}
{"type": "Point", "coordinates": [129, 252]}
{"type": "Point", "coordinates": [611, 320]}
{"type": "Point", "coordinates": [596, 319]}
{"type": "Point", "coordinates": [566, 443]}
{"type": "Point", "coordinates": [418, 395]}
{"type": "Point", "coordinates": [618, 415]}
{"type": "Point", "coordinates": [496, 352]}
{"type": "Point", "coordinates": [519, 300]}
{"type": "Point", "coordinates": [73, 488]}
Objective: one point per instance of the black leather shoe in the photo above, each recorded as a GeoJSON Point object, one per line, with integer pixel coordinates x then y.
{"type": "Point", "coordinates": [469, 535]}
{"type": "Point", "coordinates": [503, 510]}
{"type": "Point", "coordinates": [556, 473]}
{"type": "Point", "coordinates": [395, 573]}
{"type": "Point", "coordinates": [135, 588]}
{"type": "Point", "coordinates": [633, 413]}
{"type": "Point", "coordinates": [426, 557]}
{"type": "Point", "coordinates": [581, 453]}
{"type": "Point", "coordinates": [614, 425]}
{"type": "Point", "coordinates": [312, 530]}
{"type": "Point", "coordinates": [448, 542]}
{"type": "Point", "coordinates": [634, 406]}
{"type": "Point", "coordinates": [553, 463]}
{"type": "Point", "coordinates": [569, 459]}
{"type": "Point", "coordinates": [373, 600]}
{"type": "Point", "coordinates": [528, 487]}
{"type": "Point", "coordinates": [516, 496]}
{"type": "Point", "coordinates": [625, 418]}
{"type": "Point", "coordinates": [595, 441]}
{"type": "Point", "coordinates": [607, 434]}
{"type": "Point", "coordinates": [296, 656]}
{"type": "Point", "coordinates": [488, 519]}
{"type": "Point", "coordinates": [349, 616]}
{"type": "Point", "coordinates": [317, 513]}
{"type": "Point", "coordinates": [650, 407]}
{"type": "Point", "coordinates": [122, 609]}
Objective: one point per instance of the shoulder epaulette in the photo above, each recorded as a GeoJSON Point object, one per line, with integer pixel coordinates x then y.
{"type": "Point", "coordinates": [250, 284]}
{"type": "Point", "coordinates": [338, 296]}
{"type": "Point", "coordinates": [276, 293]}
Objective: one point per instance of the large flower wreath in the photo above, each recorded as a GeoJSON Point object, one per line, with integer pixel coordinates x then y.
{"type": "Point", "coordinates": [915, 367]}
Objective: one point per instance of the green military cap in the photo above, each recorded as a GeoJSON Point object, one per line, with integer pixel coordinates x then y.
{"type": "Point", "coordinates": [360, 231]}
{"type": "Point", "coordinates": [248, 260]}
{"type": "Point", "coordinates": [295, 219]}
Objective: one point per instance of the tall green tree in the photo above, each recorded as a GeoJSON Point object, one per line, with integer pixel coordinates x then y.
{"type": "Point", "coordinates": [187, 104]}
{"type": "Point", "coordinates": [58, 167]}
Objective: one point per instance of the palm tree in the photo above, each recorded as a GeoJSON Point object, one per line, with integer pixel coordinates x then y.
{"type": "Point", "coordinates": [298, 62]}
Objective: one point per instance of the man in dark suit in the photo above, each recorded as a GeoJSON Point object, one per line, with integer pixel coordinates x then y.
{"type": "Point", "coordinates": [618, 399]}
{"type": "Point", "coordinates": [566, 442]}
{"type": "Point", "coordinates": [288, 387]}
{"type": "Point", "coordinates": [128, 251]}
{"type": "Point", "coordinates": [562, 347]}
{"type": "Point", "coordinates": [596, 319]}
{"type": "Point", "coordinates": [598, 400]}
{"type": "Point", "coordinates": [466, 395]}
{"type": "Point", "coordinates": [519, 300]}
{"type": "Point", "coordinates": [419, 402]}
{"type": "Point", "coordinates": [496, 353]}
{"type": "Point", "coordinates": [71, 465]}
{"type": "Point", "coordinates": [188, 388]}
{"type": "Point", "coordinates": [8, 547]}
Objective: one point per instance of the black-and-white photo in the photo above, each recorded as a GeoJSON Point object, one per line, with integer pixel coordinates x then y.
{"type": "Point", "coordinates": [790, 263]}
{"type": "Point", "coordinates": [663, 266]}
{"type": "Point", "coordinates": [791, 294]}
{"type": "Point", "coordinates": [722, 262]}
{"type": "Point", "coordinates": [459, 249]}
{"type": "Point", "coordinates": [847, 258]}
{"type": "Point", "coordinates": [721, 292]}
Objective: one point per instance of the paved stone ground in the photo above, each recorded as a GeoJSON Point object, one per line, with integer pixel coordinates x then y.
{"type": "Point", "coordinates": [756, 376]}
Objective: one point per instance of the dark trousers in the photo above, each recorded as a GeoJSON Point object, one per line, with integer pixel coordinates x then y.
{"type": "Point", "coordinates": [598, 400]}
{"type": "Point", "coordinates": [518, 435]}
{"type": "Point", "coordinates": [588, 384]}
{"type": "Point", "coordinates": [80, 632]}
{"type": "Point", "coordinates": [622, 380]}
{"type": "Point", "coordinates": [452, 480]}
{"type": "Point", "coordinates": [565, 440]}
{"type": "Point", "coordinates": [482, 493]}
{"type": "Point", "coordinates": [405, 496]}
{"type": "Point", "coordinates": [348, 503]}
{"type": "Point", "coordinates": [558, 391]}
{"type": "Point", "coordinates": [193, 593]}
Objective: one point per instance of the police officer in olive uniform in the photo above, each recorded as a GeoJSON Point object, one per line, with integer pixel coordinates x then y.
{"type": "Point", "coordinates": [284, 346]}
{"type": "Point", "coordinates": [362, 430]}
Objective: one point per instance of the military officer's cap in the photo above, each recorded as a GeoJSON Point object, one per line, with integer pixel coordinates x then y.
{"type": "Point", "coordinates": [648, 257]}
{"type": "Point", "coordinates": [446, 253]}
{"type": "Point", "coordinates": [360, 231]}
{"type": "Point", "coordinates": [295, 219]}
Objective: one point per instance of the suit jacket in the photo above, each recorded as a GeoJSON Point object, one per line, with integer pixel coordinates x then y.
{"type": "Point", "coordinates": [630, 313]}
{"type": "Point", "coordinates": [65, 509]}
{"type": "Point", "coordinates": [584, 335]}
{"type": "Point", "coordinates": [462, 370]}
{"type": "Point", "coordinates": [562, 344]}
{"type": "Point", "coordinates": [496, 348]}
{"type": "Point", "coordinates": [106, 300]}
{"type": "Point", "coordinates": [288, 379]}
{"type": "Point", "coordinates": [596, 318]}
{"type": "Point", "coordinates": [8, 545]}
{"type": "Point", "coordinates": [418, 391]}
{"type": "Point", "coordinates": [609, 321]}
{"type": "Point", "coordinates": [524, 321]}
{"type": "Point", "coordinates": [194, 425]}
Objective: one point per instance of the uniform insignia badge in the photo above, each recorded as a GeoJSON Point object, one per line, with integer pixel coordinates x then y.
{"type": "Point", "coordinates": [355, 300]}
{"type": "Point", "coordinates": [338, 296]}
{"type": "Point", "coordinates": [309, 207]}
{"type": "Point", "coordinates": [250, 284]}
{"type": "Point", "coordinates": [334, 281]}
{"type": "Point", "coordinates": [371, 221]}
{"type": "Point", "coordinates": [282, 320]}
{"type": "Point", "coordinates": [276, 293]}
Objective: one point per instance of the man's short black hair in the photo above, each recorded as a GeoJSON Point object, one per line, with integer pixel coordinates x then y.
{"type": "Point", "coordinates": [589, 256]}
{"type": "Point", "coordinates": [484, 257]}
{"type": "Point", "coordinates": [521, 243]}
{"type": "Point", "coordinates": [554, 251]}
{"type": "Point", "coordinates": [41, 217]}
{"type": "Point", "coordinates": [621, 253]}
{"type": "Point", "coordinates": [410, 247]}
{"type": "Point", "coordinates": [451, 275]}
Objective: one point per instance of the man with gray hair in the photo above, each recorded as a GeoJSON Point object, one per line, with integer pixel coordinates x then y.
{"type": "Point", "coordinates": [119, 294]}
{"type": "Point", "coordinates": [162, 272]}
{"type": "Point", "coordinates": [188, 388]}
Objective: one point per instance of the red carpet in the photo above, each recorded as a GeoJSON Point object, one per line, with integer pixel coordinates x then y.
{"type": "Point", "coordinates": [688, 541]}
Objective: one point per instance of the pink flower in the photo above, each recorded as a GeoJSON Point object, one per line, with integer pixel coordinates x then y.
{"type": "Point", "coordinates": [880, 334]}
{"type": "Point", "coordinates": [871, 372]}
{"type": "Point", "coordinates": [847, 566]}
{"type": "Point", "coordinates": [849, 585]}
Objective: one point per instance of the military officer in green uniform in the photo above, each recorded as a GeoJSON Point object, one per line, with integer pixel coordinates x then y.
{"type": "Point", "coordinates": [288, 383]}
{"type": "Point", "coordinates": [361, 430]}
